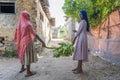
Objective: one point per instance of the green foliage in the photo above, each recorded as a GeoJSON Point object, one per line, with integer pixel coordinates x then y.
{"type": "Point", "coordinates": [10, 53]}
{"type": "Point", "coordinates": [72, 7]}
{"type": "Point", "coordinates": [62, 33]}
{"type": "Point", "coordinates": [61, 36]}
{"type": "Point", "coordinates": [65, 49]}
{"type": "Point", "coordinates": [97, 10]}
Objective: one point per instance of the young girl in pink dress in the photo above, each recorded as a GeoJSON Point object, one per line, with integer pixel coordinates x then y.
{"type": "Point", "coordinates": [80, 41]}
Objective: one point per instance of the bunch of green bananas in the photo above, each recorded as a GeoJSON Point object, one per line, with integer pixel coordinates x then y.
{"type": "Point", "coordinates": [64, 49]}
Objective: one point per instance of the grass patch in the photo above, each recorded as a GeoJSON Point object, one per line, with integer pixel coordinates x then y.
{"type": "Point", "coordinates": [10, 53]}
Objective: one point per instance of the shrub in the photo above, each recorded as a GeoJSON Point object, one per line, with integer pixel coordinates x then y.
{"type": "Point", "coordinates": [10, 53]}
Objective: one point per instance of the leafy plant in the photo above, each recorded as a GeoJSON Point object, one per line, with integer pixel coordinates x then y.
{"type": "Point", "coordinates": [64, 49]}
{"type": "Point", "coordinates": [62, 32]}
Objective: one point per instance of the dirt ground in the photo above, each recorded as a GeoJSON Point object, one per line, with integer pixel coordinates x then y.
{"type": "Point", "coordinates": [50, 68]}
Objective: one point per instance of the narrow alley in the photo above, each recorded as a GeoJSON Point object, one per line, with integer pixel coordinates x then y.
{"type": "Point", "coordinates": [50, 68]}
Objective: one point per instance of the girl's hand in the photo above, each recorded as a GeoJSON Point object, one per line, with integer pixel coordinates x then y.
{"type": "Point", "coordinates": [43, 44]}
{"type": "Point", "coordinates": [73, 42]}
{"type": "Point", "coordinates": [74, 30]}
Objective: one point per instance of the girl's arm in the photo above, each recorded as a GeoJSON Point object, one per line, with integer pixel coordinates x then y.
{"type": "Point", "coordinates": [81, 27]}
{"type": "Point", "coordinates": [43, 43]}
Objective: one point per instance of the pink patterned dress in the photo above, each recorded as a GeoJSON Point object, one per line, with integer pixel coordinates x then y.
{"type": "Point", "coordinates": [81, 46]}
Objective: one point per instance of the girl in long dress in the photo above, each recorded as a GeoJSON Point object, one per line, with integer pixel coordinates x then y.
{"type": "Point", "coordinates": [24, 37]}
{"type": "Point", "coordinates": [80, 41]}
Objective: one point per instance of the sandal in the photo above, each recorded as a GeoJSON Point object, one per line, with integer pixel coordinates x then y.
{"type": "Point", "coordinates": [74, 69]}
{"type": "Point", "coordinates": [22, 70]}
{"type": "Point", "coordinates": [30, 74]}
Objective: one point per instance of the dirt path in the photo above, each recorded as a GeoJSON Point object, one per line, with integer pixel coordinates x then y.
{"type": "Point", "coordinates": [49, 68]}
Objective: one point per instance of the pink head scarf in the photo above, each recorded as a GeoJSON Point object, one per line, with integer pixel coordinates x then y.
{"type": "Point", "coordinates": [24, 34]}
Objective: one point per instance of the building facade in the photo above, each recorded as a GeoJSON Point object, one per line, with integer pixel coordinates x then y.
{"type": "Point", "coordinates": [71, 25]}
{"type": "Point", "coordinates": [39, 12]}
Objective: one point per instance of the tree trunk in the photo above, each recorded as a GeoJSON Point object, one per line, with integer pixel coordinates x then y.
{"type": "Point", "coordinates": [108, 32]}
{"type": "Point", "coordinates": [99, 26]}
{"type": "Point", "coordinates": [119, 12]}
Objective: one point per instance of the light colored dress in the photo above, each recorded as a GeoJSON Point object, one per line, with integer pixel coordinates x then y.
{"type": "Point", "coordinates": [30, 55]}
{"type": "Point", "coordinates": [81, 45]}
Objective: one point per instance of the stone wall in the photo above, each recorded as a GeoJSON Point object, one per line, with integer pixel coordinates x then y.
{"type": "Point", "coordinates": [30, 6]}
{"type": "Point", "coordinates": [71, 24]}
{"type": "Point", "coordinates": [8, 22]}
{"type": "Point", "coordinates": [7, 26]}
{"type": "Point", "coordinates": [43, 26]}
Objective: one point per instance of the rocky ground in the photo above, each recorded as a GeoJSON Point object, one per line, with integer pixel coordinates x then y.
{"type": "Point", "coordinates": [50, 68]}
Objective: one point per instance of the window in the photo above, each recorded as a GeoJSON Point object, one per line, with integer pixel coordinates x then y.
{"type": "Point", "coordinates": [41, 16]}
{"type": "Point", "coordinates": [6, 7]}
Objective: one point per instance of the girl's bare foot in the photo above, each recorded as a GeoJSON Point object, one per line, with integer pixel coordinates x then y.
{"type": "Point", "coordinates": [77, 71]}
